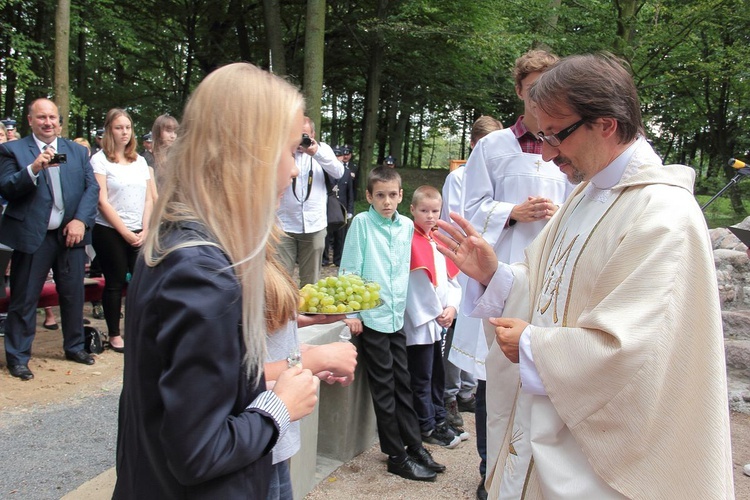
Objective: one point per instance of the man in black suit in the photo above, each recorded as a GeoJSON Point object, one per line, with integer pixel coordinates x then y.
{"type": "Point", "coordinates": [343, 188]}
{"type": "Point", "coordinates": [346, 159]}
{"type": "Point", "coordinates": [52, 203]}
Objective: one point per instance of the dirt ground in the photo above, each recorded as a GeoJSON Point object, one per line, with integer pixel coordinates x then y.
{"type": "Point", "coordinates": [58, 380]}
{"type": "Point", "coordinates": [55, 378]}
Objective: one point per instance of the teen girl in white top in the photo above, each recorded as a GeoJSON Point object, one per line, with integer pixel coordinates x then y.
{"type": "Point", "coordinates": [125, 203]}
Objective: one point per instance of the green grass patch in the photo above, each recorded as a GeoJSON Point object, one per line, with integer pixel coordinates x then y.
{"type": "Point", "coordinates": [719, 213]}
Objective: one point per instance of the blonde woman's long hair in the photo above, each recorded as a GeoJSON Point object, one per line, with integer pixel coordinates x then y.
{"type": "Point", "coordinates": [222, 172]}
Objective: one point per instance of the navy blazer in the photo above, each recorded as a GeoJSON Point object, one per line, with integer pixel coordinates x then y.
{"type": "Point", "coordinates": [29, 207]}
{"type": "Point", "coordinates": [183, 430]}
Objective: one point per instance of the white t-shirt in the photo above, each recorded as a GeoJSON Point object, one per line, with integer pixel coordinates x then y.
{"type": "Point", "coordinates": [126, 189]}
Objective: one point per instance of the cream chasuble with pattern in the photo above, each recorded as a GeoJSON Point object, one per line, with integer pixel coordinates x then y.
{"type": "Point", "coordinates": [621, 293]}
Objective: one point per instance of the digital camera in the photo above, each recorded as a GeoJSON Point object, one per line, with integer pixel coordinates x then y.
{"type": "Point", "coordinates": [58, 158]}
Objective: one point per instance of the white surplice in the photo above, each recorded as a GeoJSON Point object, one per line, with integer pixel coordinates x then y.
{"type": "Point", "coordinates": [497, 177]}
{"type": "Point", "coordinates": [425, 301]}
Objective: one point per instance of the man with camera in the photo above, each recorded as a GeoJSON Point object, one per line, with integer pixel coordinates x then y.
{"type": "Point", "coordinates": [52, 199]}
{"type": "Point", "coordinates": [302, 212]}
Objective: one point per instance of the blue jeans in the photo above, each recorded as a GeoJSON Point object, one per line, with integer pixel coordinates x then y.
{"type": "Point", "coordinates": [280, 484]}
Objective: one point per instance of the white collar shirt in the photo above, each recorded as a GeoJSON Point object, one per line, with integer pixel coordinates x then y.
{"type": "Point", "coordinates": [299, 213]}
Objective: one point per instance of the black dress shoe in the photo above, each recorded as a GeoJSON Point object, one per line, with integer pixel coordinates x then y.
{"type": "Point", "coordinates": [410, 469]}
{"type": "Point", "coordinates": [481, 492]}
{"type": "Point", "coordinates": [80, 357]}
{"type": "Point", "coordinates": [424, 457]}
{"type": "Point", "coordinates": [21, 371]}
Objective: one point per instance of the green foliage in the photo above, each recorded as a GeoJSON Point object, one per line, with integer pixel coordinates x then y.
{"type": "Point", "coordinates": [445, 64]}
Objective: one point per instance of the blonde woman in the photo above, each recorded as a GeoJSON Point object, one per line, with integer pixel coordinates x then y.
{"type": "Point", "coordinates": [195, 418]}
{"type": "Point", "coordinates": [83, 142]}
{"type": "Point", "coordinates": [125, 204]}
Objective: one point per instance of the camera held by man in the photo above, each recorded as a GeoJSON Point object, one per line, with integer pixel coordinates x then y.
{"type": "Point", "coordinates": [58, 158]}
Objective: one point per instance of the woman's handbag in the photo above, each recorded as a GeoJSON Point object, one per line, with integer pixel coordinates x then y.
{"type": "Point", "coordinates": [93, 340]}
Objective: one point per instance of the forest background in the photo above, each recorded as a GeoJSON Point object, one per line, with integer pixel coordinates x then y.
{"type": "Point", "coordinates": [399, 77]}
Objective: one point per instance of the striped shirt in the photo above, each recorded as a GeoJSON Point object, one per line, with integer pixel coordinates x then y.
{"type": "Point", "coordinates": [270, 404]}
{"type": "Point", "coordinates": [379, 249]}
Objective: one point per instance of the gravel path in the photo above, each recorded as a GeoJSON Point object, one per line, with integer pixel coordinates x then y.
{"type": "Point", "coordinates": [47, 451]}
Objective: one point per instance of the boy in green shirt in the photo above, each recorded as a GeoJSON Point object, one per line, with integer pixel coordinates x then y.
{"type": "Point", "coordinates": [378, 248]}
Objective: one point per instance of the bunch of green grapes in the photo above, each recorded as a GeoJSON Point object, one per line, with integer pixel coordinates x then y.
{"type": "Point", "coordinates": [339, 294]}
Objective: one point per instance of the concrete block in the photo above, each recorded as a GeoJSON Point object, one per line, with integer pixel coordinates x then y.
{"type": "Point", "coordinates": [302, 464]}
{"type": "Point", "coordinates": [344, 423]}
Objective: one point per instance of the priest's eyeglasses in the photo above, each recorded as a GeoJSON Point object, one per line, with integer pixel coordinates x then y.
{"type": "Point", "coordinates": [555, 140]}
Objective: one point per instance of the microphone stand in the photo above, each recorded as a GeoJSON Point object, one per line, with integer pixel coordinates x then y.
{"type": "Point", "coordinates": [737, 178]}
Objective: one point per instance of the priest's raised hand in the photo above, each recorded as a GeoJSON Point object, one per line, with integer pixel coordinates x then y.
{"type": "Point", "coordinates": [467, 249]}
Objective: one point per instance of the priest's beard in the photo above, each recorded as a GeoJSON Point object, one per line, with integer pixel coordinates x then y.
{"type": "Point", "coordinates": [576, 176]}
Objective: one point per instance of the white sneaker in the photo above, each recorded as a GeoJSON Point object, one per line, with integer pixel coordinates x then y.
{"type": "Point", "coordinates": [746, 469]}
{"type": "Point", "coordinates": [462, 434]}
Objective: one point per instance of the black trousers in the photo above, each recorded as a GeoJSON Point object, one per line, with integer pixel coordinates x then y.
{"type": "Point", "coordinates": [117, 259]}
{"type": "Point", "coordinates": [427, 383]}
{"type": "Point", "coordinates": [335, 240]}
{"type": "Point", "coordinates": [384, 355]}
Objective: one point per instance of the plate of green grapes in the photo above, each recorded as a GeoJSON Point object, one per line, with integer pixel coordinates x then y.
{"type": "Point", "coordinates": [343, 294]}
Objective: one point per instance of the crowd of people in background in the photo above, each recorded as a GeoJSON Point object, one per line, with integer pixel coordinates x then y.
{"type": "Point", "coordinates": [539, 287]}
{"type": "Point", "coordinates": [123, 193]}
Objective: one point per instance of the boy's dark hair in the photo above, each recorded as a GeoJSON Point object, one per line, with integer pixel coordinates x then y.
{"type": "Point", "coordinates": [382, 174]}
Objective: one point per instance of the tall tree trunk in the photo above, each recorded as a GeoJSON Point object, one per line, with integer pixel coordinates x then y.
{"type": "Point", "coordinates": [272, 15]}
{"type": "Point", "coordinates": [464, 125]}
{"type": "Point", "coordinates": [398, 134]}
{"type": "Point", "coordinates": [335, 127]}
{"type": "Point", "coordinates": [554, 13]}
{"type": "Point", "coordinates": [190, 30]}
{"type": "Point", "coordinates": [407, 144]}
{"type": "Point", "coordinates": [80, 84]}
{"type": "Point", "coordinates": [312, 87]}
{"type": "Point", "coordinates": [62, 55]}
{"type": "Point", "coordinates": [372, 99]}
{"type": "Point", "coordinates": [370, 118]}
{"type": "Point", "coordinates": [238, 12]}
{"type": "Point", "coordinates": [391, 139]}
{"type": "Point", "coordinates": [420, 140]}
{"type": "Point", "coordinates": [10, 13]}
{"type": "Point", "coordinates": [627, 11]}
{"type": "Point", "coordinates": [349, 122]}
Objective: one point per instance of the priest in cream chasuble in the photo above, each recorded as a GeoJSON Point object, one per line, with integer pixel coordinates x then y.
{"type": "Point", "coordinates": [613, 316]}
